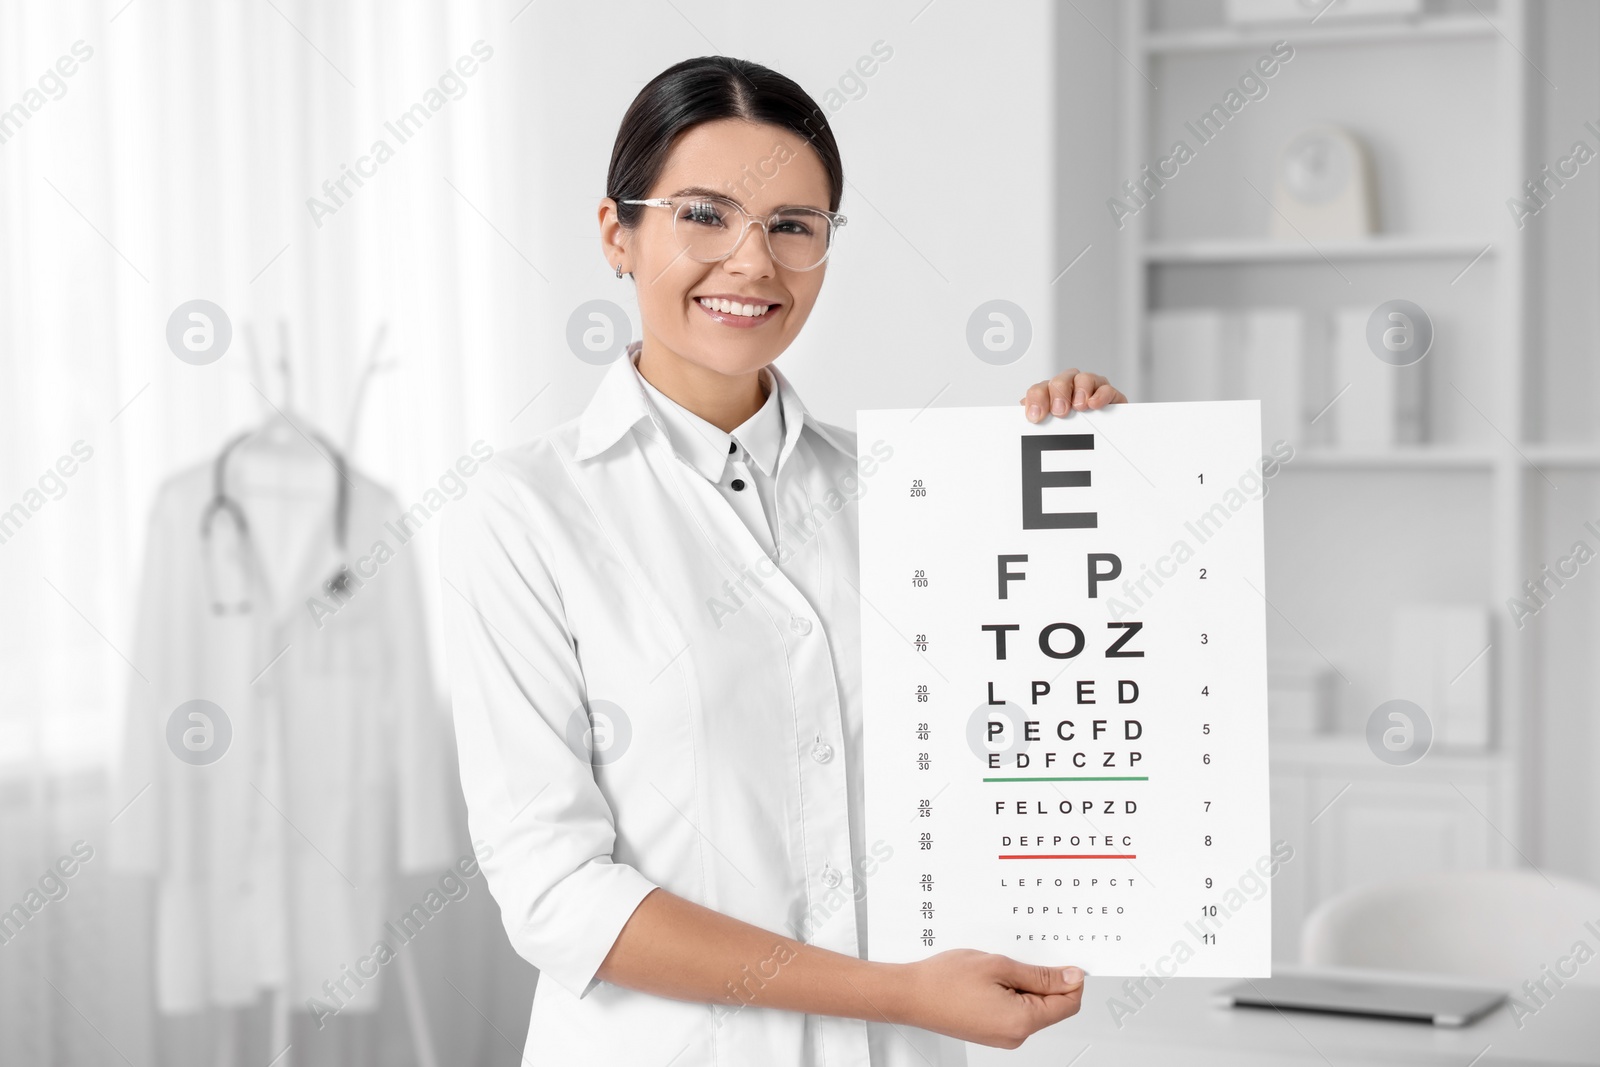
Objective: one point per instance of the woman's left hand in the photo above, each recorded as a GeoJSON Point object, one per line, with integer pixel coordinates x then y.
{"type": "Point", "coordinates": [1068, 391]}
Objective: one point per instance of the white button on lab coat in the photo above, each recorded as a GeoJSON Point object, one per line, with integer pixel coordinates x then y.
{"type": "Point", "coordinates": [644, 697]}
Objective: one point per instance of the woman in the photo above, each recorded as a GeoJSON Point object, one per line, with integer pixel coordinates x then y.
{"type": "Point", "coordinates": [653, 625]}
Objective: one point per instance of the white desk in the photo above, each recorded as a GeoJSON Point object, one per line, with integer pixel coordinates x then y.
{"type": "Point", "coordinates": [1180, 1025]}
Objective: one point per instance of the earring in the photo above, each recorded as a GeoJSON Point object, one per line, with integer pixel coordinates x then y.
{"type": "Point", "coordinates": [619, 270]}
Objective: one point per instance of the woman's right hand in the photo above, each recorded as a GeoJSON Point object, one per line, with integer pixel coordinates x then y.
{"type": "Point", "coordinates": [672, 947]}
{"type": "Point", "coordinates": [987, 998]}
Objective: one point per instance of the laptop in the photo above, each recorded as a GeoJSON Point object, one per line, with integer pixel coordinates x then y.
{"type": "Point", "coordinates": [1375, 994]}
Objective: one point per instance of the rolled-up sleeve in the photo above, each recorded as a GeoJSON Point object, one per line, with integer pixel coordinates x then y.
{"type": "Point", "coordinates": [519, 711]}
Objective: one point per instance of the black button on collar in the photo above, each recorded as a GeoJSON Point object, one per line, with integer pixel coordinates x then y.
{"type": "Point", "coordinates": [738, 484]}
{"type": "Point", "coordinates": [733, 446]}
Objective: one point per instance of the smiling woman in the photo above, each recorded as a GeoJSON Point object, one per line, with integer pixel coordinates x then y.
{"type": "Point", "coordinates": [675, 798]}
{"type": "Point", "coordinates": [685, 150]}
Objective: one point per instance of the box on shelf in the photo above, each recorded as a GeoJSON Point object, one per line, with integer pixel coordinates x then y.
{"type": "Point", "coordinates": [1442, 661]}
{"type": "Point", "coordinates": [1302, 697]}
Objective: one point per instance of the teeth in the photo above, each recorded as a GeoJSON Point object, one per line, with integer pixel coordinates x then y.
{"type": "Point", "coordinates": [733, 307]}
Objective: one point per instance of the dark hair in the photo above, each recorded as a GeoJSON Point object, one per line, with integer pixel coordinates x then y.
{"type": "Point", "coordinates": [703, 90]}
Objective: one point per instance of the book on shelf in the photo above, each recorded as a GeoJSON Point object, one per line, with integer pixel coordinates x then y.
{"type": "Point", "coordinates": [1382, 405]}
{"type": "Point", "coordinates": [1219, 354]}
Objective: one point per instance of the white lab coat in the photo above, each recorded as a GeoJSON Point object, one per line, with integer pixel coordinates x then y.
{"type": "Point", "coordinates": [274, 862]}
{"type": "Point", "coordinates": [595, 579]}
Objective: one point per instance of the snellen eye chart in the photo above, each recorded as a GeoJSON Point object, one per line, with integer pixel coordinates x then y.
{"type": "Point", "coordinates": [1064, 657]}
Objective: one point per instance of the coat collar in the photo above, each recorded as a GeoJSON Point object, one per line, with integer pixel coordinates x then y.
{"type": "Point", "coordinates": [620, 402]}
{"type": "Point", "coordinates": [706, 447]}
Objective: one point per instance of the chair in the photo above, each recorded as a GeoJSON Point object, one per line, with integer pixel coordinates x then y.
{"type": "Point", "coordinates": [1502, 927]}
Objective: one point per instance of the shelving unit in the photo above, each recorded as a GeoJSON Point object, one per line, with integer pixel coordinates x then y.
{"type": "Point", "coordinates": [1579, 456]}
{"type": "Point", "coordinates": [1335, 751]}
{"type": "Point", "coordinates": [1269, 251]}
{"type": "Point", "coordinates": [1183, 244]}
{"type": "Point", "coordinates": [1400, 457]}
{"type": "Point", "coordinates": [1408, 31]}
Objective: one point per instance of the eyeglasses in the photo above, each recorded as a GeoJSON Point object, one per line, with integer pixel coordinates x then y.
{"type": "Point", "coordinates": [709, 228]}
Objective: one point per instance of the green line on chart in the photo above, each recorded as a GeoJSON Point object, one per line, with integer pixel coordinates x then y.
{"type": "Point", "coordinates": [1105, 778]}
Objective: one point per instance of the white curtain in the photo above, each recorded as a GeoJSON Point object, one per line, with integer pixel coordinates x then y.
{"type": "Point", "coordinates": [174, 162]}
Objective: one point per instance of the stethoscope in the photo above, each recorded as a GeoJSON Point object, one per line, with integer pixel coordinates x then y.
{"type": "Point", "coordinates": [223, 504]}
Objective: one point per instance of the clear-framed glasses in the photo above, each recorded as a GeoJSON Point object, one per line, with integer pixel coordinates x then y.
{"type": "Point", "coordinates": [709, 228]}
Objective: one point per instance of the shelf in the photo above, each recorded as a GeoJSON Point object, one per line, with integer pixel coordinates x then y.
{"type": "Point", "coordinates": [1349, 752]}
{"type": "Point", "coordinates": [1233, 38]}
{"type": "Point", "coordinates": [1419, 457]}
{"type": "Point", "coordinates": [1267, 250]}
{"type": "Point", "coordinates": [1557, 455]}
{"type": "Point", "coordinates": [1445, 457]}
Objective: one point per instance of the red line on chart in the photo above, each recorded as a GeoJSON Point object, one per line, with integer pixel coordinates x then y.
{"type": "Point", "coordinates": [1129, 856]}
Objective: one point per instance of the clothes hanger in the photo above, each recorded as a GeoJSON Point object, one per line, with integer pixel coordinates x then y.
{"type": "Point", "coordinates": [283, 428]}
{"type": "Point", "coordinates": [372, 369]}
{"type": "Point", "coordinates": [280, 437]}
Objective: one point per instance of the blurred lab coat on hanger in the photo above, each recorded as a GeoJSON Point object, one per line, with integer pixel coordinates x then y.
{"type": "Point", "coordinates": [273, 860]}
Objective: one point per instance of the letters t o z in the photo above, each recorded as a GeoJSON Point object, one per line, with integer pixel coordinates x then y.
{"type": "Point", "coordinates": [1035, 480]}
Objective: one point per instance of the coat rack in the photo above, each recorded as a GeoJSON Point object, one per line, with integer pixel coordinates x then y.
{"type": "Point", "coordinates": [410, 988]}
